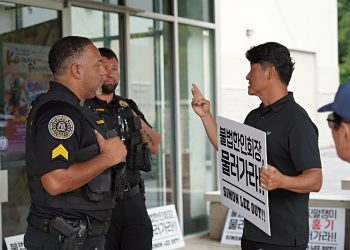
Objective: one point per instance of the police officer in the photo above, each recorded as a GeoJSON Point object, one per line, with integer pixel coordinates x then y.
{"type": "Point", "coordinates": [68, 157]}
{"type": "Point", "coordinates": [131, 227]}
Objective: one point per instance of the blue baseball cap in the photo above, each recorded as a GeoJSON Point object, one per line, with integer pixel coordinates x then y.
{"type": "Point", "coordinates": [341, 103]}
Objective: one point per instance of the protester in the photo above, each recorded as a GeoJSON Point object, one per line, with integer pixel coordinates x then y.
{"type": "Point", "coordinates": [294, 165]}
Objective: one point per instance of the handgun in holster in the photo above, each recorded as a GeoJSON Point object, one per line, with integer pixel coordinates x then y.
{"type": "Point", "coordinates": [71, 238]}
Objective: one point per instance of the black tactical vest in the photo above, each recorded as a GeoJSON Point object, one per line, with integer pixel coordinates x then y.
{"type": "Point", "coordinates": [96, 194]}
{"type": "Point", "coordinates": [119, 116]}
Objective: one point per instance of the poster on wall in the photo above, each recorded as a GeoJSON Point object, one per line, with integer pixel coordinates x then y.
{"type": "Point", "coordinates": [327, 228]}
{"type": "Point", "coordinates": [241, 154]}
{"type": "Point", "coordinates": [26, 74]}
{"type": "Point", "coordinates": [167, 233]}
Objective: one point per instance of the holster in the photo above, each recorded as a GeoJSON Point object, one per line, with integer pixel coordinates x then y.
{"type": "Point", "coordinates": [120, 183]}
{"type": "Point", "coordinates": [71, 238]}
{"type": "Point", "coordinates": [147, 158]}
{"type": "Point", "coordinates": [142, 186]}
{"type": "Point", "coordinates": [139, 158]}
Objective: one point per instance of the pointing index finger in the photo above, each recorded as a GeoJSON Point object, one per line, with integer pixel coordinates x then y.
{"type": "Point", "coordinates": [196, 92]}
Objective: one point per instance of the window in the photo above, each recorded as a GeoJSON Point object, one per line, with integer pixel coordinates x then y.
{"type": "Point", "coordinates": [26, 35]}
{"type": "Point", "coordinates": [198, 164]}
{"type": "Point", "coordinates": [151, 86]}
{"type": "Point", "coordinates": [202, 10]}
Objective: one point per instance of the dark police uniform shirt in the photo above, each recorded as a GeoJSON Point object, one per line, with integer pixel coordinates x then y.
{"type": "Point", "coordinates": [291, 148]}
{"type": "Point", "coordinates": [79, 134]}
{"type": "Point", "coordinates": [133, 177]}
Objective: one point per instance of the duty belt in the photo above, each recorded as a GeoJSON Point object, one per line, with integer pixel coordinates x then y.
{"type": "Point", "coordinates": [60, 226]}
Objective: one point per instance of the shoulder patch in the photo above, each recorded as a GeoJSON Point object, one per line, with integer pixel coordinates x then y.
{"type": "Point", "coordinates": [61, 127]}
{"type": "Point", "coordinates": [123, 103]}
{"type": "Point", "coordinates": [60, 150]}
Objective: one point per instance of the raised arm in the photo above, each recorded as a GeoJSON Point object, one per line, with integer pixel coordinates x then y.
{"type": "Point", "coordinates": [201, 107]}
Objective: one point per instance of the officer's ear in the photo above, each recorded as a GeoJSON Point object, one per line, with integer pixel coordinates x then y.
{"type": "Point", "coordinates": [75, 70]}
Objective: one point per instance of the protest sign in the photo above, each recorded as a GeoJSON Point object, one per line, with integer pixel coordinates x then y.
{"type": "Point", "coordinates": [233, 229]}
{"type": "Point", "coordinates": [15, 242]}
{"type": "Point", "coordinates": [241, 154]}
{"type": "Point", "coordinates": [327, 228]}
{"type": "Point", "coordinates": [167, 233]}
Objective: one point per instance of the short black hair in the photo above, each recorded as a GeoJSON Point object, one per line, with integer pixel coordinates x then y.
{"type": "Point", "coordinates": [275, 54]}
{"type": "Point", "coordinates": [66, 51]}
{"type": "Point", "coordinates": [108, 53]}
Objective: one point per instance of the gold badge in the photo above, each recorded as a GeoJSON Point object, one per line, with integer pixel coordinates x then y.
{"type": "Point", "coordinates": [123, 103]}
{"type": "Point", "coordinates": [99, 110]}
{"type": "Point", "coordinates": [99, 122]}
{"type": "Point", "coordinates": [60, 150]}
{"type": "Point", "coordinates": [61, 127]}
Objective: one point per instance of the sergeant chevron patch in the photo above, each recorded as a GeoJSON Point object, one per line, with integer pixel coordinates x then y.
{"type": "Point", "coordinates": [60, 150]}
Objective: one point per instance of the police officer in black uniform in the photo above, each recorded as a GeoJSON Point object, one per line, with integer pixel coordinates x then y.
{"type": "Point", "coordinates": [131, 228]}
{"type": "Point", "coordinates": [69, 157]}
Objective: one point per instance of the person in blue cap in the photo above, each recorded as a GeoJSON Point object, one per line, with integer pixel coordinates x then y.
{"type": "Point", "coordinates": [339, 120]}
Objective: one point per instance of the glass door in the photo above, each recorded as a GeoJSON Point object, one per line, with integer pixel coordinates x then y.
{"type": "Point", "coordinates": [151, 86]}
{"type": "Point", "coordinates": [26, 35]}
{"type": "Point", "coordinates": [196, 65]}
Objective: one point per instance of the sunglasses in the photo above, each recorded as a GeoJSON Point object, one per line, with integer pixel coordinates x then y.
{"type": "Point", "coordinates": [334, 120]}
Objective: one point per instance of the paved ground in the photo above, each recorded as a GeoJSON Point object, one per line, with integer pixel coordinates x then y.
{"type": "Point", "coordinates": [202, 242]}
{"type": "Point", "coordinates": [334, 170]}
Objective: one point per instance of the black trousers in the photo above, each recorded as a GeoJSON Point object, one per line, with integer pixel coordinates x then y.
{"type": "Point", "coordinates": [253, 245]}
{"type": "Point", "coordinates": [37, 240]}
{"type": "Point", "coordinates": [131, 227]}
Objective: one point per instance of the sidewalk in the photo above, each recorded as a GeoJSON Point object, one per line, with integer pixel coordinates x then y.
{"type": "Point", "coordinates": [203, 242]}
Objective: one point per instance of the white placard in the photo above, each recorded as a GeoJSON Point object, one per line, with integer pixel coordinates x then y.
{"type": "Point", "coordinates": [15, 242]}
{"type": "Point", "coordinates": [233, 229]}
{"type": "Point", "coordinates": [241, 154]}
{"type": "Point", "coordinates": [327, 228]}
{"type": "Point", "coordinates": [167, 233]}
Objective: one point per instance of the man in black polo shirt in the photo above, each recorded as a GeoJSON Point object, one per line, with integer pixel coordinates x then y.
{"type": "Point", "coordinates": [294, 166]}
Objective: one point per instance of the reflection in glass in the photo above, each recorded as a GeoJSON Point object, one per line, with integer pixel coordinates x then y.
{"type": "Point", "coordinates": [202, 10]}
{"type": "Point", "coordinates": [196, 66]}
{"type": "Point", "coordinates": [151, 86]}
{"type": "Point", "coordinates": [158, 6]}
{"type": "Point", "coordinates": [26, 35]}
{"type": "Point", "coordinates": [101, 27]}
